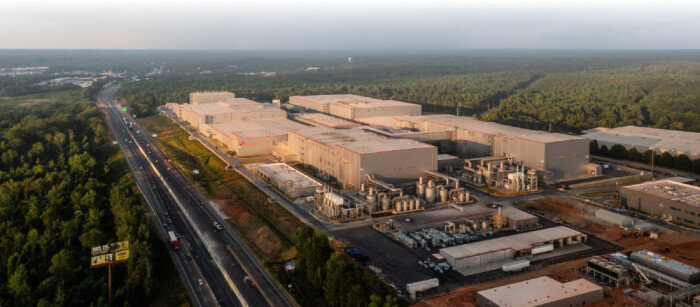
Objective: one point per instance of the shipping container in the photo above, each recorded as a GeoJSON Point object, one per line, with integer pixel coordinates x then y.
{"type": "Point", "coordinates": [515, 265]}
{"type": "Point", "coordinates": [542, 248]}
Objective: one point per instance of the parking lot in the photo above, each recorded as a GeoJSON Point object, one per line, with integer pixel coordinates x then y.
{"type": "Point", "coordinates": [399, 264]}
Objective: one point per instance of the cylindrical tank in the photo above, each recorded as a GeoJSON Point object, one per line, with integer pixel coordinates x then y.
{"type": "Point", "coordinates": [461, 197]}
{"type": "Point", "coordinates": [484, 225]}
{"type": "Point", "coordinates": [466, 196]}
{"type": "Point", "coordinates": [443, 195]}
{"type": "Point", "coordinates": [371, 191]}
{"type": "Point", "coordinates": [475, 226]}
{"type": "Point", "coordinates": [420, 190]}
{"type": "Point", "coordinates": [431, 183]}
{"type": "Point", "coordinates": [398, 206]}
{"type": "Point", "coordinates": [411, 205]}
{"type": "Point", "coordinates": [405, 205]}
{"type": "Point", "coordinates": [430, 194]}
{"type": "Point", "coordinates": [385, 203]}
{"type": "Point", "coordinates": [362, 188]}
{"type": "Point", "coordinates": [418, 204]}
{"type": "Point", "coordinates": [372, 200]}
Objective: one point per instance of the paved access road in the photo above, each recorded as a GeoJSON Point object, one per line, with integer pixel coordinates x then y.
{"type": "Point", "coordinates": [220, 258]}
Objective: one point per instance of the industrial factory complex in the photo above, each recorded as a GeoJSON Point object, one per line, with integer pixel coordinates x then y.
{"type": "Point", "coordinates": [437, 198]}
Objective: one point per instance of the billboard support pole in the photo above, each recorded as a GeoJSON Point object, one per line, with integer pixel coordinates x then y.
{"type": "Point", "coordinates": [109, 278]}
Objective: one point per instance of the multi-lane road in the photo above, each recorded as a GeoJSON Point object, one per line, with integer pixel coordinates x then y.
{"type": "Point", "coordinates": [230, 274]}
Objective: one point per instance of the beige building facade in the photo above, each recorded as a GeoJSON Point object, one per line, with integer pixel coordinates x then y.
{"type": "Point", "coordinates": [349, 155]}
{"type": "Point", "coordinates": [210, 97]}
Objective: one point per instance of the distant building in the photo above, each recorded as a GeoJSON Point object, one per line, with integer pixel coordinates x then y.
{"type": "Point", "coordinates": [210, 97]}
{"type": "Point", "coordinates": [251, 138]}
{"type": "Point", "coordinates": [355, 107]}
{"type": "Point", "coordinates": [643, 139]}
{"type": "Point", "coordinates": [671, 198]}
{"type": "Point", "coordinates": [542, 291]}
{"type": "Point", "coordinates": [199, 115]}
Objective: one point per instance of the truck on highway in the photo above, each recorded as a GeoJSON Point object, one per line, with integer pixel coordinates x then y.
{"type": "Point", "coordinates": [173, 240]}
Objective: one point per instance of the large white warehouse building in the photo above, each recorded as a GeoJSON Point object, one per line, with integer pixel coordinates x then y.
{"type": "Point", "coordinates": [350, 154]}
{"type": "Point", "coordinates": [555, 156]}
{"type": "Point", "coordinates": [643, 139]}
{"type": "Point", "coordinates": [355, 107]}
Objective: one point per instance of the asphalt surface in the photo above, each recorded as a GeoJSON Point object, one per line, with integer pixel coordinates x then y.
{"type": "Point", "coordinates": [160, 203]}
{"type": "Point", "coordinates": [220, 259]}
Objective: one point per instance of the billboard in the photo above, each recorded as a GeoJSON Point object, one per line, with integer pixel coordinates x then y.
{"type": "Point", "coordinates": [109, 253]}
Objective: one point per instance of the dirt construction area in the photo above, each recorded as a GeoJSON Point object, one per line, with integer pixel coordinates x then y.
{"type": "Point", "coordinates": [672, 244]}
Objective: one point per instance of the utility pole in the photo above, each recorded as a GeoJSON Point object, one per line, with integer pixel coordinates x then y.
{"type": "Point", "coordinates": [109, 281]}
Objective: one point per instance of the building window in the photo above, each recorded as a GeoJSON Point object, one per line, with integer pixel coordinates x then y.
{"type": "Point", "coordinates": [639, 203]}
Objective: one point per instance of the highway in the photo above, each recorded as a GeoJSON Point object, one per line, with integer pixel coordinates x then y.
{"type": "Point", "coordinates": [228, 268]}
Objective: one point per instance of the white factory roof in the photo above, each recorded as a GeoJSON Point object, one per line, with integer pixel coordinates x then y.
{"type": "Point", "coordinates": [669, 188]}
{"type": "Point", "coordinates": [326, 120]}
{"type": "Point", "coordinates": [666, 262]}
{"type": "Point", "coordinates": [358, 141]}
{"type": "Point", "coordinates": [475, 211]}
{"type": "Point", "coordinates": [391, 121]}
{"type": "Point", "coordinates": [537, 291]}
{"type": "Point", "coordinates": [258, 128]}
{"type": "Point", "coordinates": [208, 108]}
{"type": "Point", "coordinates": [441, 157]}
{"type": "Point", "coordinates": [240, 101]}
{"type": "Point", "coordinates": [354, 101]}
{"type": "Point", "coordinates": [681, 142]}
{"type": "Point", "coordinates": [516, 242]}
{"type": "Point", "coordinates": [291, 176]}
{"type": "Point", "coordinates": [236, 105]}
{"type": "Point", "coordinates": [472, 124]}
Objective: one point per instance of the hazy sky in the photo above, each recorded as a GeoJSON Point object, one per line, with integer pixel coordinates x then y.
{"type": "Point", "coordinates": [353, 24]}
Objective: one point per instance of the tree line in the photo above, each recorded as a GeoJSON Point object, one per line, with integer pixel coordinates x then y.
{"type": "Point", "coordinates": [64, 189]}
{"type": "Point", "coordinates": [662, 94]}
{"type": "Point", "coordinates": [340, 280]}
{"type": "Point", "coordinates": [617, 151]}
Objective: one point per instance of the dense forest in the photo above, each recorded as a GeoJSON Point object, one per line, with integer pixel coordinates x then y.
{"type": "Point", "coordinates": [340, 280]}
{"type": "Point", "coordinates": [661, 94]}
{"type": "Point", "coordinates": [63, 189]}
{"type": "Point", "coordinates": [573, 90]}
{"type": "Point", "coordinates": [453, 90]}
